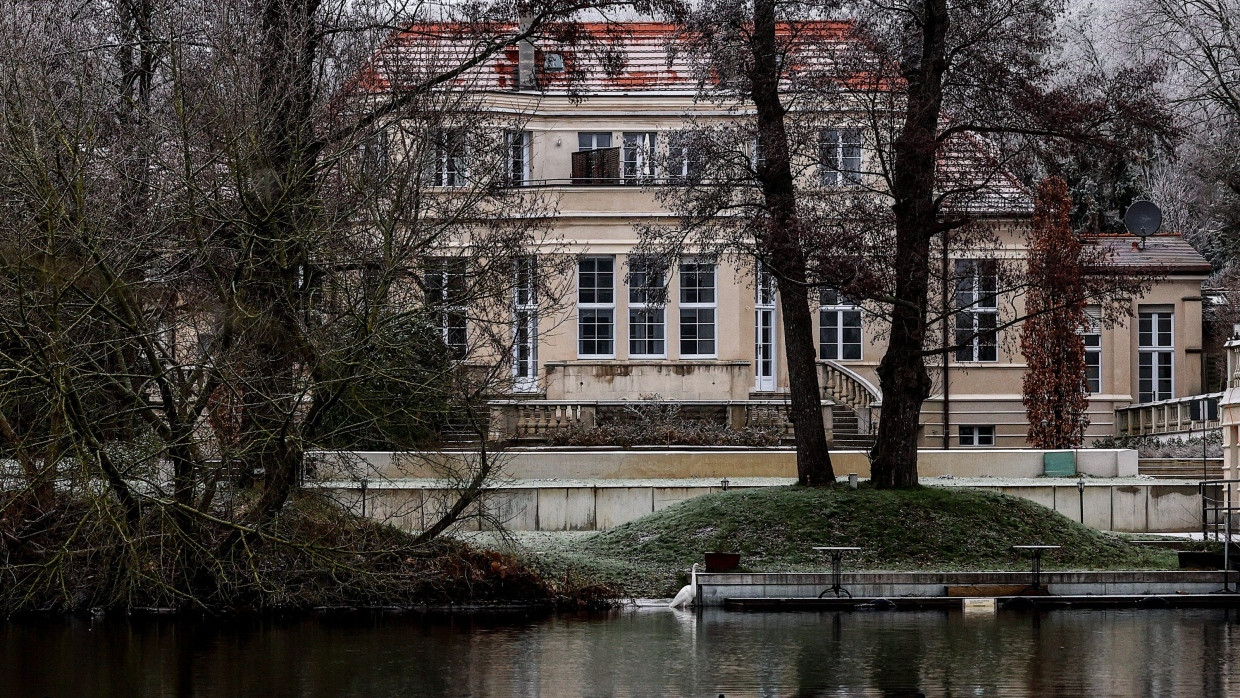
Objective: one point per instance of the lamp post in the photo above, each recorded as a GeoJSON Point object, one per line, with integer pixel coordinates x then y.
{"type": "Point", "coordinates": [724, 484]}
{"type": "Point", "coordinates": [1080, 493]}
{"type": "Point", "coordinates": [365, 482]}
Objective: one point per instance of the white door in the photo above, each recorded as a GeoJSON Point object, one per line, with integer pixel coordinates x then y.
{"type": "Point", "coordinates": [764, 334]}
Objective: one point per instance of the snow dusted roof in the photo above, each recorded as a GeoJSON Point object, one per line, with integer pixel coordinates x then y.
{"type": "Point", "coordinates": [1168, 253]}
{"type": "Point", "coordinates": [598, 57]}
{"type": "Point", "coordinates": [640, 58]}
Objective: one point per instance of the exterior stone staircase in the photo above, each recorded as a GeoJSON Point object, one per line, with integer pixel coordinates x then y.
{"type": "Point", "coordinates": [855, 419]}
{"type": "Point", "coordinates": [847, 433]}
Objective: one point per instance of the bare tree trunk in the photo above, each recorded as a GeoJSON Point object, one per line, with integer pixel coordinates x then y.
{"type": "Point", "coordinates": [785, 257]}
{"type": "Point", "coordinates": [274, 293]}
{"type": "Point", "coordinates": [902, 372]}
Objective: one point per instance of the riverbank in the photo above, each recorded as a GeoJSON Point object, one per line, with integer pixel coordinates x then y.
{"type": "Point", "coordinates": [73, 559]}
{"type": "Point", "coordinates": [775, 530]}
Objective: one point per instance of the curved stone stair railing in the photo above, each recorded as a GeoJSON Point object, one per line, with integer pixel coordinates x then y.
{"type": "Point", "coordinates": [847, 388]}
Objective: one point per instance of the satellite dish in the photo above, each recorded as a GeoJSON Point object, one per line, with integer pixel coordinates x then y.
{"type": "Point", "coordinates": [1143, 218]}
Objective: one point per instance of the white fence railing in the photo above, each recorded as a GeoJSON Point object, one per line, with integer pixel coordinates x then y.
{"type": "Point", "coordinates": [1164, 417]}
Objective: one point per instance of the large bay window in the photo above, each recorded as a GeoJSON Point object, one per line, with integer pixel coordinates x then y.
{"type": "Point", "coordinates": [596, 307]}
{"type": "Point", "coordinates": [698, 300]}
{"type": "Point", "coordinates": [1155, 354]}
{"type": "Point", "coordinates": [977, 310]}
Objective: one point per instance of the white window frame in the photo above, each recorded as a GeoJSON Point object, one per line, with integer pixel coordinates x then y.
{"type": "Point", "coordinates": [449, 165]}
{"type": "Point", "coordinates": [834, 310]}
{"type": "Point", "coordinates": [638, 164]}
{"type": "Point", "coordinates": [1155, 350]}
{"type": "Point", "coordinates": [698, 306]}
{"type": "Point", "coordinates": [1091, 337]}
{"type": "Point", "coordinates": [765, 305]}
{"type": "Point", "coordinates": [517, 158]}
{"type": "Point", "coordinates": [525, 319]}
{"type": "Point", "coordinates": [976, 434]}
{"type": "Point", "coordinates": [648, 298]}
{"type": "Point", "coordinates": [972, 305]}
{"type": "Point", "coordinates": [839, 159]}
{"type": "Point", "coordinates": [596, 306]}
{"type": "Point", "coordinates": [683, 162]}
{"type": "Point", "coordinates": [593, 137]}
{"type": "Point", "coordinates": [439, 276]}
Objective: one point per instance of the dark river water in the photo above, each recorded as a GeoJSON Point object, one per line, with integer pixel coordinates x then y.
{"type": "Point", "coordinates": [636, 652]}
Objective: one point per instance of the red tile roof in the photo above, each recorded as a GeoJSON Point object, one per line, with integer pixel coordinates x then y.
{"type": "Point", "coordinates": [606, 58]}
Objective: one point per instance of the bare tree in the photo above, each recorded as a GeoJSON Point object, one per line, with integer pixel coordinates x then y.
{"type": "Point", "coordinates": [1199, 39]}
{"type": "Point", "coordinates": [945, 100]}
{"type": "Point", "coordinates": [740, 196]}
{"type": "Point", "coordinates": [234, 233]}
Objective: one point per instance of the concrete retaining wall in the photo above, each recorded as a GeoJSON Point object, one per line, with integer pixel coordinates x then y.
{"type": "Point", "coordinates": [594, 464]}
{"type": "Point", "coordinates": [714, 588]}
{"type": "Point", "coordinates": [1131, 506]}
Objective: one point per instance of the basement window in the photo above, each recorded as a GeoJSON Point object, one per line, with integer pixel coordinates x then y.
{"type": "Point", "coordinates": [977, 435]}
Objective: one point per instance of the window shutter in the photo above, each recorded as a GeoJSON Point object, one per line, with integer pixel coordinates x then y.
{"type": "Point", "coordinates": [609, 165]}
{"type": "Point", "coordinates": [580, 162]}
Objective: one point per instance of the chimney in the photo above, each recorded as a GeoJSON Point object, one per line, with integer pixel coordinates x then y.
{"type": "Point", "coordinates": [526, 78]}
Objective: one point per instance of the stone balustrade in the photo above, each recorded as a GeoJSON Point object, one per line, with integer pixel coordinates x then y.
{"type": "Point", "coordinates": [1164, 417]}
{"type": "Point", "coordinates": [539, 420]}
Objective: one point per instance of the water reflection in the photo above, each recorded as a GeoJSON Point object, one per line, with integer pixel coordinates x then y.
{"type": "Point", "coordinates": [635, 653]}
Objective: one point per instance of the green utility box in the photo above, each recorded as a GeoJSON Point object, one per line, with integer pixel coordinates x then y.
{"type": "Point", "coordinates": [1059, 464]}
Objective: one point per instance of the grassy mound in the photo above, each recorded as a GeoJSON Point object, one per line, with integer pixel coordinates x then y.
{"type": "Point", "coordinates": [775, 529]}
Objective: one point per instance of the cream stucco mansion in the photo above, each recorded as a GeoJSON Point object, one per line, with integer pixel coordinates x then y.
{"type": "Point", "coordinates": [716, 341]}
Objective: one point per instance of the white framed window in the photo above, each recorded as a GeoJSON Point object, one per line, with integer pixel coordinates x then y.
{"type": "Point", "coordinates": [977, 435]}
{"type": "Point", "coordinates": [525, 325]}
{"type": "Point", "coordinates": [596, 307]}
{"type": "Point", "coordinates": [593, 140]}
{"type": "Point", "coordinates": [517, 158]}
{"type": "Point", "coordinates": [757, 158]}
{"type": "Point", "coordinates": [647, 308]}
{"type": "Point", "coordinates": [839, 161]}
{"type": "Point", "coordinates": [764, 332]}
{"type": "Point", "coordinates": [444, 281]}
{"type": "Point", "coordinates": [839, 326]}
{"type": "Point", "coordinates": [684, 156]}
{"type": "Point", "coordinates": [977, 310]}
{"type": "Point", "coordinates": [447, 158]}
{"type": "Point", "coordinates": [1155, 354]}
{"type": "Point", "coordinates": [698, 299]}
{"type": "Point", "coordinates": [1091, 336]}
{"type": "Point", "coordinates": [638, 157]}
